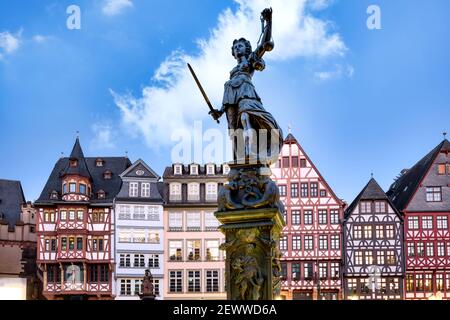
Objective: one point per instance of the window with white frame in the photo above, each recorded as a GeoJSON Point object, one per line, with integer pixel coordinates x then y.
{"type": "Point", "coordinates": [335, 242]}
{"type": "Point", "coordinates": [358, 258]}
{"type": "Point", "coordinates": [323, 270]}
{"type": "Point", "coordinates": [283, 243]}
{"type": "Point", "coordinates": [334, 270]}
{"type": "Point", "coordinates": [295, 217]}
{"type": "Point", "coordinates": [137, 286]}
{"type": "Point", "coordinates": [411, 250]}
{"type": "Point", "coordinates": [176, 250]}
{"type": "Point", "coordinates": [212, 280]}
{"type": "Point", "coordinates": [226, 169]}
{"type": "Point", "coordinates": [369, 257]}
{"type": "Point", "coordinates": [211, 222]}
{"type": "Point", "coordinates": [139, 235]}
{"type": "Point", "coordinates": [365, 206]}
{"type": "Point", "coordinates": [211, 191]}
{"type": "Point", "coordinates": [323, 242]}
{"type": "Point", "coordinates": [194, 169]}
{"type": "Point", "coordinates": [427, 222]}
{"type": "Point", "coordinates": [357, 232]}
{"type": "Point", "coordinates": [390, 233]}
{"type": "Point", "coordinates": [323, 216]}
{"type": "Point", "coordinates": [193, 221]}
{"type": "Point", "coordinates": [413, 223]}
{"type": "Point", "coordinates": [125, 287]}
{"type": "Point", "coordinates": [156, 286]}
{"type": "Point", "coordinates": [309, 244]}
{"type": "Point", "coordinates": [390, 257]}
{"type": "Point", "coordinates": [133, 192]}
{"type": "Point", "coordinates": [380, 206]}
{"type": "Point", "coordinates": [125, 260]}
{"type": "Point", "coordinates": [430, 249]}
{"type": "Point", "coordinates": [153, 261]}
{"type": "Point", "coordinates": [308, 217]}
{"type": "Point", "coordinates": [210, 169]}
{"type": "Point", "coordinates": [380, 257]}
{"type": "Point", "coordinates": [296, 243]}
{"type": "Point", "coordinates": [442, 222]}
{"type": "Point", "coordinates": [175, 221]}
{"type": "Point", "coordinates": [145, 190]}
{"type": "Point", "coordinates": [193, 191]}
{"type": "Point", "coordinates": [138, 212]}
{"type": "Point", "coordinates": [175, 281]}
{"type": "Point", "coordinates": [212, 250]}
{"type": "Point", "coordinates": [193, 280]}
{"type": "Point", "coordinates": [124, 212]}
{"type": "Point", "coordinates": [175, 191]}
{"type": "Point", "coordinates": [440, 249]}
{"type": "Point", "coordinates": [139, 261]}
{"type": "Point", "coordinates": [434, 194]}
{"type": "Point", "coordinates": [177, 169]}
{"type": "Point", "coordinates": [153, 213]}
{"type": "Point", "coordinates": [367, 232]}
{"type": "Point", "coordinates": [334, 216]}
{"type": "Point", "coordinates": [193, 250]}
{"type": "Point", "coordinates": [308, 270]}
{"type": "Point", "coordinates": [379, 232]}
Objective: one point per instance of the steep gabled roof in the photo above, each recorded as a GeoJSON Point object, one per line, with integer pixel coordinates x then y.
{"type": "Point", "coordinates": [137, 164]}
{"type": "Point", "coordinates": [81, 168]}
{"type": "Point", "coordinates": [11, 200]}
{"type": "Point", "coordinates": [112, 186]}
{"type": "Point", "coordinates": [372, 191]}
{"type": "Point", "coordinates": [290, 139]}
{"type": "Point", "coordinates": [402, 190]}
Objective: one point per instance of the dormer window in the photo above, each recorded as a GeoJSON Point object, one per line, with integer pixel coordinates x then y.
{"type": "Point", "coordinates": [194, 169]}
{"type": "Point", "coordinates": [101, 194]}
{"type": "Point", "coordinates": [54, 195]}
{"type": "Point", "coordinates": [226, 169]}
{"type": "Point", "coordinates": [99, 162]}
{"type": "Point", "coordinates": [210, 169]}
{"type": "Point", "coordinates": [177, 169]}
{"type": "Point", "coordinates": [107, 175]}
{"type": "Point", "coordinates": [82, 188]}
{"type": "Point", "coordinates": [72, 187]}
{"type": "Point", "coordinates": [73, 163]}
{"type": "Point", "coordinates": [64, 188]}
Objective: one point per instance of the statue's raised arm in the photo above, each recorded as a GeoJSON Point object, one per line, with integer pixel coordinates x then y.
{"type": "Point", "coordinates": [265, 42]}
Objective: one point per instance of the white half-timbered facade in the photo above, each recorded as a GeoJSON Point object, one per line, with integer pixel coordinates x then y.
{"type": "Point", "coordinates": [373, 247]}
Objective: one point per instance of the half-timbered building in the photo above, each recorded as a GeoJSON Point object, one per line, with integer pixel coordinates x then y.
{"type": "Point", "coordinates": [75, 225]}
{"type": "Point", "coordinates": [422, 194]}
{"type": "Point", "coordinates": [373, 247]}
{"type": "Point", "coordinates": [311, 240]}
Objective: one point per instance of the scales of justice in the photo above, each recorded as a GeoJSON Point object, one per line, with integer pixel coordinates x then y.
{"type": "Point", "coordinates": [249, 205]}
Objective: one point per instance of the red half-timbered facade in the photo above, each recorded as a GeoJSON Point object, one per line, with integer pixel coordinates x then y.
{"type": "Point", "coordinates": [311, 243]}
{"type": "Point", "coordinates": [75, 225]}
{"type": "Point", "coordinates": [422, 194]}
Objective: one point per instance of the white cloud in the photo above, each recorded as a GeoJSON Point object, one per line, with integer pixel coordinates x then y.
{"type": "Point", "coordinates": [174, 102]}
{"type": "Point", "coordinates": [115, 7]}
{"type": "Point", "coordinates": [103, 136]}
{"type": "Point", "coordinates": [338, 71]}
{"type": "Point", "coordinates": [9, 43]}
{"type": "Point", "coordinates": [41, 38]}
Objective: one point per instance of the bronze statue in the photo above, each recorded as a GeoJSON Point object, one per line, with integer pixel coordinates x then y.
{"type": "Point", "coordinates": [242, 105]}
{"type": "Point", "coordinates": [147, 286]}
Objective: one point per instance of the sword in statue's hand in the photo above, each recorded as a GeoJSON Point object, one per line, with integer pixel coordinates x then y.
{"type": "Point", "coordinates": [213, 112]}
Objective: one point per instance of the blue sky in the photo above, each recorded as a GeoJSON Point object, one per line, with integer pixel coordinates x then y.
{"type": "Point", "coordinates": [358, 100]}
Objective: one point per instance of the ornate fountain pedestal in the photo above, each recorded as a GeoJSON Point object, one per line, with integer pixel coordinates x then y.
{"type": "Point", "coordinates": [252, 219]}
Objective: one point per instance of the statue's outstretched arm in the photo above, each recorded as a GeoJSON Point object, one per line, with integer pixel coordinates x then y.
{"type": "Point", "coordinates": [265, 43]}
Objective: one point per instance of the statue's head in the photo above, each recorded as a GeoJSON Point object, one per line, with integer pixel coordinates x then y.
{"type": "Point", "coordinates": [247, 47]}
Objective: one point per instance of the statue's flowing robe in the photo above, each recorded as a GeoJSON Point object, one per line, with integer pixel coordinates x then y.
{"type": "Point", "coordinates": [240, 96]}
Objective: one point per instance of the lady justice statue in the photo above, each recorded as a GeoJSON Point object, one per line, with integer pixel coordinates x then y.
{"type": "Point", "coordinates": [255, 134]}
{"type": "Point", "coordinates": [250, 201]}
